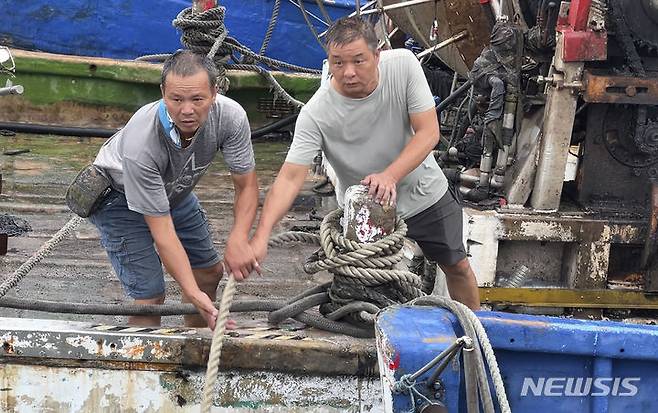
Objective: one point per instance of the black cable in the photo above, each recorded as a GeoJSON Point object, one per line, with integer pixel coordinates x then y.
{"type": "Point", "coordinates": [33, 128]}
{"type": "Point", "coordinates": [274, 126]}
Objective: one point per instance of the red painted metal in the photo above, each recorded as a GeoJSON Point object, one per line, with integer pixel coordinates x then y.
{"type": "Point", "coordinates": [579, 14]}
{"type": "Point", "coordinates": [584, 46]}
{"type": "Point", "coordinates": [202, 5]}
{"type": "Point", "coordinates": [581, 43]}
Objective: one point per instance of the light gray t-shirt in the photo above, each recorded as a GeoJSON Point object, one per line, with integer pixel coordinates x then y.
{"type": "Point", "coordinates": [364, 136]}
{"type": "Point", "coordinates": [155, 174]}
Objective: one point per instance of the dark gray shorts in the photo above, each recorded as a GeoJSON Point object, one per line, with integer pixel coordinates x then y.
{"type": "Point", "coordinates": [438, 231]}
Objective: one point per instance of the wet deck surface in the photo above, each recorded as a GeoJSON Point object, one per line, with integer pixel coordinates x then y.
{"type": "Point", "coordinates": [78, 270]}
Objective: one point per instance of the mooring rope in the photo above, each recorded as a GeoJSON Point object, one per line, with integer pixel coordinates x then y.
{"type": "Point", "coordinates": [216, 344]}
{"type": "Point", "coordinates": [270, 27]}
{"type": "Point", "coordinates": [206, 33]}
{"type": "Point", "coordinates": [363, 273]}
{"type": "Point", "coordinates": [474, 367]}
{"type": "Point", "coordinates": [40, 254]}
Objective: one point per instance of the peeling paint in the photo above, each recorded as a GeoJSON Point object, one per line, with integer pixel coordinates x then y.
{"type": "Point", "coordinates": [39, 388]}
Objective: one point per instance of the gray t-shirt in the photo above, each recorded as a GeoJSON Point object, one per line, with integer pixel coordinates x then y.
{"type": "Point", "coordinates": [364, 136]}
{"type": "Point", "coordinates": [155, 174]}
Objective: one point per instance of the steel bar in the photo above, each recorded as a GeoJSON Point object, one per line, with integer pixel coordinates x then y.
{"type": "Point", "coordinates": [443, 44]}
{"type": "Point", "coordinates": [558, 297]}
{"type": "Point", "coordinates": [401, 5]}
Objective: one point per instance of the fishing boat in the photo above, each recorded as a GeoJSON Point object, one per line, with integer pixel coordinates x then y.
{"type": "Point", "coordinates": [543, 363]}
{"type": "Point", "coordinates": [121, 29]}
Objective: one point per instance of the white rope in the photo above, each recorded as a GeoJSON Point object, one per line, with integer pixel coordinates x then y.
{"type": "Point", "coordinates": [489, 355]}
{"type": "Point", "coordinates": [41, 253]}
{"type": "Point", "coordinates": [216, 345]}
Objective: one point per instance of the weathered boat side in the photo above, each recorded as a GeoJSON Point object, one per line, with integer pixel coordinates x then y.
{"type": "Point", "coordinates": [547, 363]}
{"type": "Point", "coordinates": [65, 366]}
{"type": "Point", "coordinates": [128, 29]}
{"type": "Point", "coordinates": [85, 91]}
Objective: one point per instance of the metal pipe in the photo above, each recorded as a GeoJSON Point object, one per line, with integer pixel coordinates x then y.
{"type": "Point", "coordinates": [464, 341]}
{"type": "Point", "coordinates": [454, 95]}
{"type": "Point", "coordinates": [473, 179]}
{"type": "Point", "coordinates": [365, 6]}
{"type": "Point", "coordinates": [395, 6]}
{"type": "Point", "coordinates": [496, 8]}
{"type": "Point", "coordinates": [11, 90]}
{"type": "Point", "coordinates": [443, 44]}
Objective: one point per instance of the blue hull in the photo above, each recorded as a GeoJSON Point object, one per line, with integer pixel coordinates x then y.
{"type": "Point", "coordinates": [126, 29]}
{"type": "Point", "coordinates": [547, 364]}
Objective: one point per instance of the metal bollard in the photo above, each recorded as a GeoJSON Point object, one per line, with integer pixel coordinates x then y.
{"type": "Point", "coordinates": [364, 219]}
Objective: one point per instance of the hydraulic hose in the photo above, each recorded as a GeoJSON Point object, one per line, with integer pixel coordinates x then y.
{"type": "Point", "coordinates": [33, 128]}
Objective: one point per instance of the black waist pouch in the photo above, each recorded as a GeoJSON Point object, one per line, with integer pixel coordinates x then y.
{"type": "Point", "coordinates": [87, 191]}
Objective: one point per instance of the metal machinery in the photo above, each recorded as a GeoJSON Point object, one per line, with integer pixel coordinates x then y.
{"type": "Point", "coordinates": [569, 183]}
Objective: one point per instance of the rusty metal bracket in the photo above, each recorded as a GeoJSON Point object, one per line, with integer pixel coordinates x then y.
{"type": "Point", "coordinates": [557, 297]}
{"type": "Point", "coordinates": [620, 89]}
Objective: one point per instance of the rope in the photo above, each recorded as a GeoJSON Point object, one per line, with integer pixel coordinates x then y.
{"type": "Point", "coordinates": [310, 24]}
{"type": "Point", "coordinates": [216, 345]}
{"type": "Point", "coordinates": [205, 33]}
{"type": "Point", "coordinates": [476, 376]}
{"type": "Point", "coordinates": [270, 27]}
{"type": "Point", "coordinates": [41, 253]}
{"type": "Point", "coordinates": [323, 10]}
{"type": "Point", "coordinates": [363, 276]}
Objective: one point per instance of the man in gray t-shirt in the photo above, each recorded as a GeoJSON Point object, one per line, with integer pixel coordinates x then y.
{"type": "Point", "coordinates": [376, 124]}
{"type": "Point", "coordinates": [153, 164]}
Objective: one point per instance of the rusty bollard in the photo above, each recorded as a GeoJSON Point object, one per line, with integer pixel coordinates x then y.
{"type": "Point", "coordinates": [364, 219]}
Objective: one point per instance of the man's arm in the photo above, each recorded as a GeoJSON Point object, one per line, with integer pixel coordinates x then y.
{"type": "Point", "coordinates": [383, 184]}
{"type": "Point", "coordinates": [279, 199]}
{"type": "Point", "coordinates": [177, 264]}
{"type": "Point", "coordinates": [238, 256]}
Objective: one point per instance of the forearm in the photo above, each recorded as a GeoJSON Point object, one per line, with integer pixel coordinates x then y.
{"type": "Point", "coordinates": [244, 211]}
{"type": "Point", "coordinates": [177, 263]}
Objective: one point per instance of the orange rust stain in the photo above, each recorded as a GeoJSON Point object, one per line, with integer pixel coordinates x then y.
{"type": "Point", "coordinates": [158, 351]}
{"type": "Point", "coordinates": [8, 346]}
{"type": "Point", "coordinates": [135, 351]}
{"type": "Point", "coordinates": [527, 323]}
{"type": "Point", "coordinates": [439, 339]}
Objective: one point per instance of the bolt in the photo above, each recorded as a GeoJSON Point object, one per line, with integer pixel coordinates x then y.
{"type": "Point", "coordinates": [630, 91]}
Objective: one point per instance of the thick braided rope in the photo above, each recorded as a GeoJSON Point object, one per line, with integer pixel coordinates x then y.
{"type": "Point", "coordinates": [358, 267]}
{"type": "Point", "coordinates": [216, 346]}
{"type": "Point", "coordinates": [41, 253]}
{"type": "Point", "coordinates": [270, 27]}
{"type": "Point", "coordinates": [206, 31]}
{"type": "Point", "coordinates": [369, 263]}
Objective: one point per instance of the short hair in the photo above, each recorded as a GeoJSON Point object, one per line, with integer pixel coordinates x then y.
{"type": "Point", "coordinates": [187, 63]}
{"type": "Point", "coordinates": [348, 29]}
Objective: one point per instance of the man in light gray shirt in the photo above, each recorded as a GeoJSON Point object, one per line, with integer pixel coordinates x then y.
{"type": "Point", "coordinates": [375, 122]}
{"type": "Point", "coordinates": [153, 164]}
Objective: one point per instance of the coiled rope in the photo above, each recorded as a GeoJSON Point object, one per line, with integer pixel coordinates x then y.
{"type": "Point", "coordinates": [206, 33]}
{"type": "Point", "coordinates": [363, 275]}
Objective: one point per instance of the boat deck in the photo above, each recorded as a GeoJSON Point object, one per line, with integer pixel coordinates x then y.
{"type": "Point", "coordinates": [78, 270]}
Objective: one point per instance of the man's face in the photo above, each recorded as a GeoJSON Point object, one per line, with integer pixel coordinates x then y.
{"type": "Point", "coordinates": [188, 100]}
{"type": "Point", "coordinates": [354, 68]}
